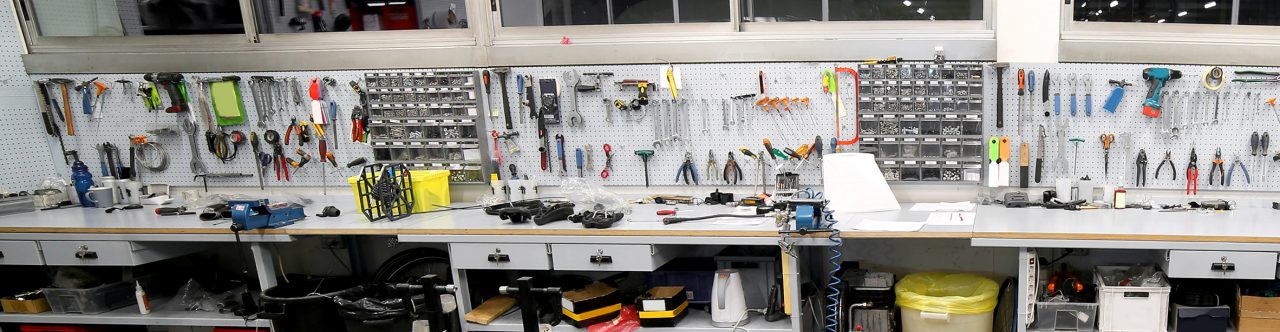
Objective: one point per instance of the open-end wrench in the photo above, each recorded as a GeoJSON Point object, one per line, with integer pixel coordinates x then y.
{"type": "Point", "coordinates": [608, 110]}
{"type": "Point", "coordinates": [189, 127]}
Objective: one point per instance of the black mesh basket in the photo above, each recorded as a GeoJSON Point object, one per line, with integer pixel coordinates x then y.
{"type": "Point", "coordinates": [385, 192]}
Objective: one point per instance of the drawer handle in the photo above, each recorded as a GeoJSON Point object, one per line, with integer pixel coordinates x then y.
{"type": "Point", "coordinates": [1223, 267]}
{"type": "Point", "coordinates": [498, 257]}
{"type": "Point", "coordinates": [85, 253]}
{"type": "Point", "coordinates": [601, 258]}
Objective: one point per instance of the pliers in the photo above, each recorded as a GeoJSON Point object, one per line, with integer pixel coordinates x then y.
{"type": "Point", "coordinates": [712, 165]}
{"type": "Point", "coordinates": [732, 173]}
{"type": "Point", "coordinates": [1232, 172]}
{"type": "Point", "coordinates": [1193, 174]}
{"type": "Point", "coordinates": [1142, 168]}
{"type": "Point", "coordinates": [1217, 169]}
{"type": "Point", "coordinates": [1168, 159]}
{"type": "Point", "coordinates": [687, 170]}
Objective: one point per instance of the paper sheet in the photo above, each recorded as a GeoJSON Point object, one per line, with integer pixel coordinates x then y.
{"type": "Point", "coordinates": [943, 206]}
{"type": "Point", "coordinates": [951, 218]}
{"type": "Point", "coordinates": [880, 225]}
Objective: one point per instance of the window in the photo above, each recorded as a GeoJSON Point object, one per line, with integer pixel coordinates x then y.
{"type": "Point", "coordinates": [906, 10]}
{"type": "Point", "coordinates": [781, 10]}
{"type": "Point", "coordinates": [89, 18]}
{"type": "Point", "coordinates": [282, 17]}
{"type": "Point", "coordinates": [1249, 12]}
{"type": "Point", "coordinates": [526, 13]}
{"type": "Point", "coordinates": [1146, 31]}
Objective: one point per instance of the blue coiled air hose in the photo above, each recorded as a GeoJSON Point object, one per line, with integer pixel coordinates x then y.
{"type": "Point", "coordinates": [833, 282]}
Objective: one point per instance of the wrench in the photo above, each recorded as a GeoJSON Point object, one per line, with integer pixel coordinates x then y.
{"type": "Point", "coordinates": [572, 77]}
{"type": "Point", "coordinates": [197, 166]}
{"type": "Point", "coordinates": [608, 110]}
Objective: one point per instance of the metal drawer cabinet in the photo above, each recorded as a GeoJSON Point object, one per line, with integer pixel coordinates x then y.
{"type": "Point", "coordinates": [499, 256]}
{"type": "Point", "coordinates": [20, 253]}
{"type": "Point", "coordinates": [610, 257]}
{"type": "Point", "coordinates": [1220, 264]}
{"type": "Point", "coordinates": [114, 253]}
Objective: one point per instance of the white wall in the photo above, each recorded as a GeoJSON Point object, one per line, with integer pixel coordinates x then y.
{"type": "Point", "coordinates": [1027, 30]}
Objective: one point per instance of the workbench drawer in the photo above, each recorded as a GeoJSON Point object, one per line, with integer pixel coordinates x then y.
{"type": "Point", "coordinates": [499, 256]}
{"type": "Point", "coordinates": [114, 253]}
{"type": "Point", "coordinates": [610, 257]}
{"type": "Point", "coordinates": [20, 253]}
{"type": "Point", "coordinates": [1220, 264]}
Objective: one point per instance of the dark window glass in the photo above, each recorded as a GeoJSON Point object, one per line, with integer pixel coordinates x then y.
{"type": "Point", "coordinates": [642, 11]}
{"type": "Point", "coordinates": [781, 10]}
{"type": "Point", "coordinates": [79, 18]}
{"type": "Point", "coordinates": [298, 16]}
{"type": "Point", "coordinates": [1259, 12]}
{"type": "Point", "coordinates": [704, 11]}
{"type": "Point", "coordinates": [899, 10]}
{"type": "Point", "coordinates": [1149, 11]}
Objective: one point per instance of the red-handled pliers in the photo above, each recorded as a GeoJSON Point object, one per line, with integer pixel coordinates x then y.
{"type": "Point", "coordinates": [1193, 175]}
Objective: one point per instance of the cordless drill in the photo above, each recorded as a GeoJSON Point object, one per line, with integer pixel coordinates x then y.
{"type": "Point", "coordinates": [1156, 78]}
{"type": "Point", "coordinates": [171, 83]}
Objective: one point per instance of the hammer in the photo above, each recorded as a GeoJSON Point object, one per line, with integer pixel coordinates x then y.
{"type": "Point", "coordinates": [169, 82]}
{"type": "Point", "coordinates": [66, 102]}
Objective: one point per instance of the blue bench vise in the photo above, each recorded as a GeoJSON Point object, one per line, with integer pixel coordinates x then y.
{"type": "Point", "coordinates": [259, 213]}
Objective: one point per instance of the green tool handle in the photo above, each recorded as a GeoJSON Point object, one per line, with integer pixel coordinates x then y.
{"type": "Point", "coordinates": [993, 149]}
{"type": "Point", "coordinates": [1257, 72]}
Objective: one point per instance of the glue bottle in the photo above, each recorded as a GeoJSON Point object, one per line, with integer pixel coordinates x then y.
{"type": "Point", "coordinates": [144, 304]}
{"type": "Point", "coordinates": [82, 180]}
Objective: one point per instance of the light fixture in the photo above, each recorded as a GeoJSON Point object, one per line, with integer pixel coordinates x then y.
{"type": "Point", "coordinates": [1160, 21]}
{"type": "Point", "coordinates": [1099, 12]}
{"type": "Point", "coordinates": [931, 18]}
{"type": "Point", "coordinates": [1210, 4]}
{"type": "Point", "coordinates": [906, 3]}
{"type": "Point", "coordinates": [920, 10]}
{"type": "Point", "coordinates": [1083, 4]}
{"type": "Point", "coordinates": [1182, 13]}
{"type": "Point", "coordinates": [1115, 3]}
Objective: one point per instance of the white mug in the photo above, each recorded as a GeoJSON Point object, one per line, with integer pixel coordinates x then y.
{"type": "Point", "coordinates": [115, 185]}
{"type": "Point", "coordinates": [99, 197]}
{"type": "Point", "coordinates": [133, 192]}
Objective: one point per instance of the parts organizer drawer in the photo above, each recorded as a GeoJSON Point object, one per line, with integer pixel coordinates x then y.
{"type": "Point", "coordinates": [493, 256]}
{"type": "Point", "coordinates": [20, 253]}
{"type": "Point", "coordinates": [114, 253]}
{"type": "Point", "coordinates": [606, 257]}
{"type": "Point", "coordinates": [1220, 264]}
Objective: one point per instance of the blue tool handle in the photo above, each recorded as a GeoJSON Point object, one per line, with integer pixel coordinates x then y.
{"type": "Point", "coordinates": [1073, 105]}
{"type": "Point", "coordinates": [578, 154]}
{"type": "Point", "coordinates": [519, 82]}
{"type": "Point", "coordinates": [1057, 104]}
{"type": "Point", "coordinates": [1113, 101]}
{"type": "Point", "coordinates": [87, 100]}
{"type": "Point", "coordinates": [1031, 82]}
{"type": "Point", "coordinates": [1088, 105]}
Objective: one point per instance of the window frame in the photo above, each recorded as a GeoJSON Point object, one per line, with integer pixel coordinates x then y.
{"type": "Point", "coordinates": [1144, 42]}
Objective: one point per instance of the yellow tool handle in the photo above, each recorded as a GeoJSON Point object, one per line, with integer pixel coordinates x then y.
{"type": "Point", "coordinates": [1024, 156]}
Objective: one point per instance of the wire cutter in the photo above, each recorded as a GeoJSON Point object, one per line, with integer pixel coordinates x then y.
{"type": "Point", "coordinates": [732, 172]}
{"type": "Point", "coordinates": [1168, 159]}
{"type": "Point", "coordinates": [1217, 169]}
{"type": "Point", "coordinates": [1232, 172]}
{"type": "Point", "coordinates": [712, 165]}
{"type": "Point", "coordinates": [1193, 175]}
{"type": "Point", "coordinates": [687, 170]}
{"type": "Point", "coordinates": [1141, 178]}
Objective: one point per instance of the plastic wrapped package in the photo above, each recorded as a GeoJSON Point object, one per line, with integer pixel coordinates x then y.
{"type": "Point", "coordinates": [592, 197]}
{"type": "Point", "coordinates": [1139, 276]}
{"type": "Point", "coordinates": [952, 293]}
{"type": "Point", "coordinates": [194, 297]}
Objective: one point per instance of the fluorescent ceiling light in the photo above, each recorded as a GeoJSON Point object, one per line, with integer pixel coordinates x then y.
{"type": "Point", "coordinates": [1115, 3]}
{"type": "Point", "coordinates": [920, 10]}
{"type": "Point", "coordinates": [1160, 21]}
{"type": "Point", "coordinates": [1182, 13]}
{"type": "Point", "coordinates": [1210, 4]}
{"type": "Point", "coordinates": [906, 3]}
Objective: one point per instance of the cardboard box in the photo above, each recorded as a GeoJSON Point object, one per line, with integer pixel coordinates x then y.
{"type": "Point", "coordinates": [592, 304]}
{"type": "Point", "coordinates": [1257, 314]}
{"type": "Point", "coordinates": [35, 306]}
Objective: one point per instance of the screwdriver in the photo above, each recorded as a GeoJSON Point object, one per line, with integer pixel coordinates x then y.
{"type": "Point", "coordinates": [578, 153]}
{"type": "Point", "coordinates": [768, 146]}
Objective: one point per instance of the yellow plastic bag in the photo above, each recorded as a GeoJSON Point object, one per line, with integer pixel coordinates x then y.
{"type": "Point", "coordinates": [952, 293]}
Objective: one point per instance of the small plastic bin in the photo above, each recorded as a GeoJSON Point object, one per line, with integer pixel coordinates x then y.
{"type": "Point", "coordinates": [430, 188]}
{"type": "Point", "coordinates": [1065, 316]}
{"type": "Point", "coordinates": [1131, 308]}
{"type": "Point", "coordinates": [90, 300]}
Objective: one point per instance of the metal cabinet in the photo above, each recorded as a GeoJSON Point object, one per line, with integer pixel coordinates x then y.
{"type": "Point", "coordinates": [20, 253]}
{"type": "Point", "coordinates": [499, 256]}
{"type": "Point", "coordinates": [610, 257]}
{"type": "Point", "coordinates": [1220, 264]}
{"type": "Point", "coordinates": [114, 253]}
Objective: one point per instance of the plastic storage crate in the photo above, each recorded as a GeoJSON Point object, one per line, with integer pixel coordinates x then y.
{"type": "Point", "coordinates": [430, 189]}
{"type": "Point", "coordinates": [91, 300]}
{"type": "Point", "coordinates": [1131, 308]}
{"type": "Point", "coordinates": [1066, 316]}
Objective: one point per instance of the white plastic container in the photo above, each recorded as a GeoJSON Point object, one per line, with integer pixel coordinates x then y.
{"type": "Point", "coordinates": [917, 321]}
{"type": "Point", "coordinates": [1130, 308]}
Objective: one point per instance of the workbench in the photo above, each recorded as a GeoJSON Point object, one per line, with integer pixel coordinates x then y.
{"type": "Point", "coordinates": [1247, 229]}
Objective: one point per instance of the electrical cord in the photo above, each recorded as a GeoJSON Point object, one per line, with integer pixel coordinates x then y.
{"type": "Point", "coordinates": [151, 155]}
{"type": "Point", "coordinates": [742, 318]}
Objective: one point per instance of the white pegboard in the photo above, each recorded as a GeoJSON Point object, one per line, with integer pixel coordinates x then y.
{"type": "Point", "coordinates": [27, 158]}
{"type": "Point", "coordinates": [714, 83]}
{"type": "Point", "coordinates": [1238, 118]}
{"type": "Point", "coordinates": [125, 115]}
